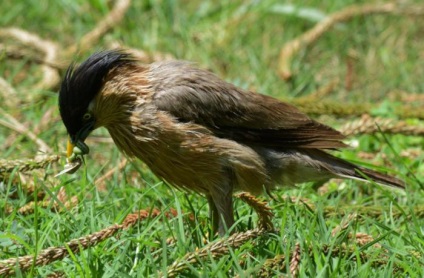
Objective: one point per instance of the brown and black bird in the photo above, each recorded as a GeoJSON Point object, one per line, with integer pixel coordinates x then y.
{"type": "Point", "coordinates": [198, 132]}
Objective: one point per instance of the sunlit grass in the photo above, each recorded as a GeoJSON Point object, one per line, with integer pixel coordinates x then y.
{"type": "Point", "coordinates": [240, 41]}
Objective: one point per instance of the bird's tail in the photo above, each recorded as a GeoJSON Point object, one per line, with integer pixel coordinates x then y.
{"type": "Point", "coordinates": [345, 169]}
{"type": "Point", "coordinates": [367, 175]}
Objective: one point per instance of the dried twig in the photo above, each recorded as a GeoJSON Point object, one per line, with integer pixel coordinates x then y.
{"type": "Point", "coordinates": [293, 46]}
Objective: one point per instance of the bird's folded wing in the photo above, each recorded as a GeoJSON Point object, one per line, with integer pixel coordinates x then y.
{"type": "Point", "coordinates": [244, 116]}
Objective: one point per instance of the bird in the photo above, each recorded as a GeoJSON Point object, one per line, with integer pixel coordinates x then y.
{"type": "Point", "coordinates": [200, 133]}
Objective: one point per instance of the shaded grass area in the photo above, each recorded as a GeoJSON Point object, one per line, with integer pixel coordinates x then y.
{"type": "Point", "coordinates": [240, 41]}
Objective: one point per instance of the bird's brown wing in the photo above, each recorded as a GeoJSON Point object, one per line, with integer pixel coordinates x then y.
{"type": "Point", "coordinates": [200, 97]}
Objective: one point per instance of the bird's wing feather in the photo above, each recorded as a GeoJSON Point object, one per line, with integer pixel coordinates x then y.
{"type": "Point", "coordinates": [193, 95]}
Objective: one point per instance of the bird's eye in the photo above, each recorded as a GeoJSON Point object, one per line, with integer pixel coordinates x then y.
{"type": "Point", "coordinates": [87, 116]}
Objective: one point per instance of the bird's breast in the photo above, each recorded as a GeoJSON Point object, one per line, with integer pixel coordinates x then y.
{"type": "Point", "coordinates": [189, 156]}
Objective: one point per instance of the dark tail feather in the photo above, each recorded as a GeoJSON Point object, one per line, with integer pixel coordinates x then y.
{"type": "Point", "coordinates": [367, 174]}
{"type": "Point", "coordinates": [346, 169]}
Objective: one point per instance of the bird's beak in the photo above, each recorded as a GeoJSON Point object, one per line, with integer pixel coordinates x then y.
{"type": "Point", "coordinates": [76, 143]}
{"type": "Point", "coordinates": [69, 148]}
{"type": "Point", "coordinates": [79, 148]}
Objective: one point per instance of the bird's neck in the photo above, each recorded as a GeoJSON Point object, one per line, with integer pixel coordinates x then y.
{"type": "Point", "coordinates": [123, 92]}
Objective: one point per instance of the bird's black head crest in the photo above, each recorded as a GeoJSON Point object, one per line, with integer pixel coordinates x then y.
{"type": "Point", "coordinates": [81, 84]}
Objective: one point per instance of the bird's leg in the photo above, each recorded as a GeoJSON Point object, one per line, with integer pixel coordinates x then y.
{"type": "Point", "coordinates": [222, 209]}
{"type": "Point", "coordinates": [213, 214]}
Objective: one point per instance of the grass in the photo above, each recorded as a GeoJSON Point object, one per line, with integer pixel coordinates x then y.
{"type": "Point", "coordinates": [240, 41]}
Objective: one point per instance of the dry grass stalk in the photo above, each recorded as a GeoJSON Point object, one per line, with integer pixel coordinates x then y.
{"type": "Point", "coordinates": [363, 239]}
{"type": "Point", "coordinates": [15, 125]}
{"type": "Point", "coordinates": [296, 200]}
{"type": "Point", "coordinates": [144, 56]}
{"type": "Point", "coordinates": [374, 212]}
{"type": "Point", "coordinates": [8, 94]}
{"type": "Point", "coordinates": [57, 274]}
{"type": "Point", "coordinates": [26, 170]}
{"type": "Point", "coordinates": [330, 107]}
{"type": "Point", "coordinates": [412, 98]}
{"type": "Point", "coordinates": [17, 53]}
{"type": "Point", "coordinates": [295, 261]}
{"type": "Point", "coordinates": [277, 265]}
{"type": "Point", "coordinates": [323, 91]}
{"type": "Point", "coordinates": [369, 125]}
{"type": "Point", "coordinates": [215, 250]}
{"type": "Point", "coordinates": [292, 47]}
{"type": "Point", "coordinates": [51, 76]}
{"type": "Point", "coordinates": [360, 238]}
{"type": "Point", "coordinates": [346, 222]}
{"type": "Point", "coordinates": [29, 208]}
{"type": "Point", "coordinates": [27, 188]}
{"type": "Point", "coordinates": [261, 208]}
{"type": "Point", "coordinates": [272, 266]}
{"type": "Point", "coordinates": [25, 165]}
{"type": "Point", "coordinates": [46, 120]}
{"type": "Point", "coordinates": [52, 254]}
{"type": "Point", "coordinates": [352, 252]}
{"type": "Point", "coordinates": [50, 62]}
{"type": "Point", "coordinates": [111, 20]}
{"type": "Point", "coordinates": [62, 203]}
{"type": "Point", "coordinates": [360, 211]}
{"type": "Point", "coordinates": [412, 153]}
{"type": "Point", "coordinates": [101, 182]}
{"type": "Point", "coordinates": [143, 214]}
{"type": "Point", "coordinates": [350, 70]}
